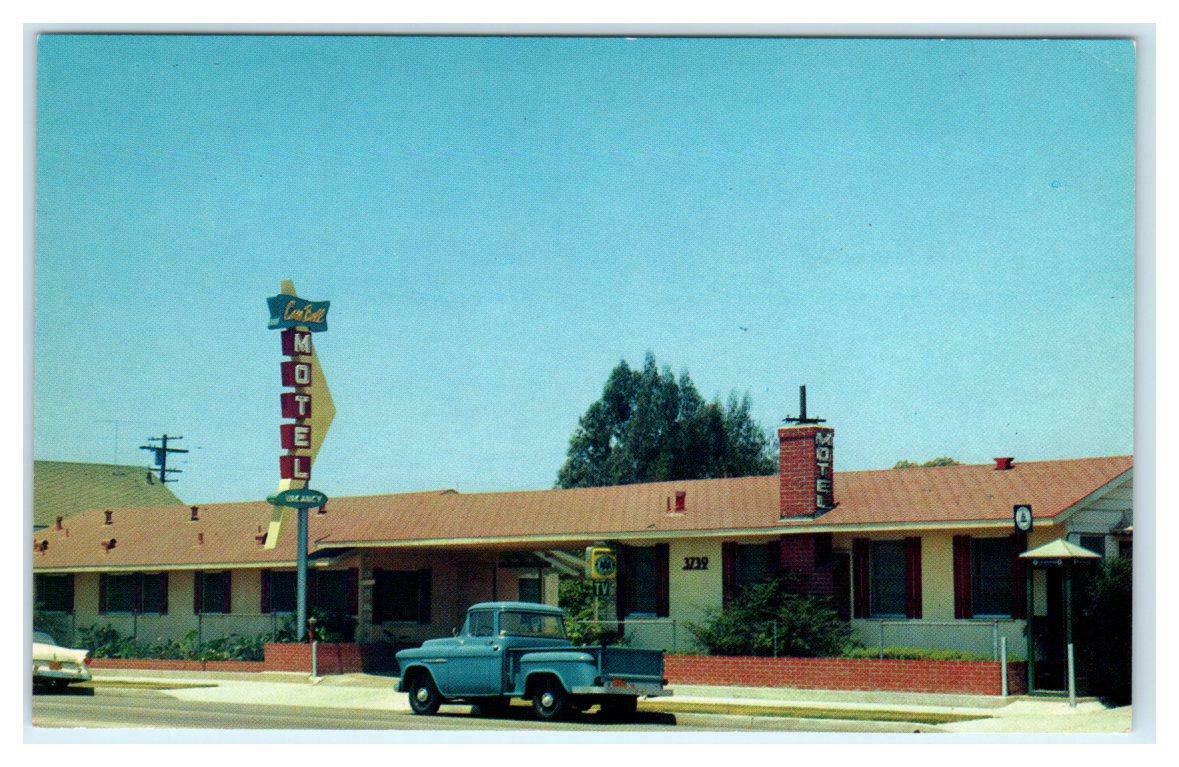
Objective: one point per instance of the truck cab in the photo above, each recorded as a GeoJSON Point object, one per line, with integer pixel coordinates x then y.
{"type": "Point", "coordinates": [508, 650]}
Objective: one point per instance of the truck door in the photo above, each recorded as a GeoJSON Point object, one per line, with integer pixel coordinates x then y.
{"type": "Point", "coordinates": [476, 667]}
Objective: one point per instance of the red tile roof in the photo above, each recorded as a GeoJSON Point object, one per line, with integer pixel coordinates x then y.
{"type": "Point", "coordinates": [921, 496]}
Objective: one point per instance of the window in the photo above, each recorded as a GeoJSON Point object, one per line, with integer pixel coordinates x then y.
{"type": "Point", "coordinates": [479, 624]}
{"type": "Point", "coordinates": [331, 591]}
{"type": "Point", "coordinates": [282, 591]}
{"type": "Point", "coordinates": [529, 590]}
{"type": "Point", "coordinates": [401, 596]}
{"type": "Point", "coordinates": [521, 624]}
{"type": "Point", "coordinates": [991, 577]}
{"type": "Point", "coordinates": [752, 565]}
{"type": "Point", "coordinates": [1094, 543]}
{"type": "Point", "coordinates": [153, 593]}
{"type": "Point", "coordinates": [214, 591]}
{"type": "Point", "coordinates": [54, 593]}
{"type": "Point", "coordinates": [888, 579]}
{"type": "Point", "coordinates": [642, 578]}
{"type": "Point", "coordinates": [119, 593]}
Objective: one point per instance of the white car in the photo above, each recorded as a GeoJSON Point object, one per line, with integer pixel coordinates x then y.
{"type": "Point", "coordinates": [55, 667]}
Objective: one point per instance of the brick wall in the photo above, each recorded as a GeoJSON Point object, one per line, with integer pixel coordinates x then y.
{"type": "Point", "coordinates": [332, 658]}
{"type": "Point", "coordinates": [963, 677]}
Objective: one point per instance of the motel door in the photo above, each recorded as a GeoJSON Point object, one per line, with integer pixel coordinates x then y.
{"type": "Point", "coordinates": [1047, 629]}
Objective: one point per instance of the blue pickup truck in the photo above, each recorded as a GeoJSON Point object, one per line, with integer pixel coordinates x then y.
{"type": "Point", "coordinates": [511, 650]}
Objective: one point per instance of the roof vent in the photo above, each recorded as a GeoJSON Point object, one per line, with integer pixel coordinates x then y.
{"type": "Point", "coordinates": [1004, 464]}
{"type": "Point", "coordinates": [40, 546]}
{"type": "Point", "coordinates": [109, 517]}
{"type": "Point", "coordinates": [322, 509]}
{"type": "Point", "coordinates": [260, 538]}
{"type": "Point", "coordinates": [108, 544]}
{"type": "Point", "coordinates": [194, 513]}
{"type": "Point", "coordinates": [681, 500]}
{"type": "Point", "coordinates": [200, 539]}
{"type": "Point", "coordinates": [57, 523]}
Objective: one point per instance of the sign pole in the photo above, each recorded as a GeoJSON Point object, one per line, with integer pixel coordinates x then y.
{"type": "Point", "coordinates": [301, 575]}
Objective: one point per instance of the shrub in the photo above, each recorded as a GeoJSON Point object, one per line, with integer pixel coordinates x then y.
{"type": "Point", "coordinates": [912, 653]}
{"type": "Point", "coordinates": [1103, 629]}
{"type": "Point", "coordinates": [805, 626]}
{"type": "Point", "coordinates": [576, 597]}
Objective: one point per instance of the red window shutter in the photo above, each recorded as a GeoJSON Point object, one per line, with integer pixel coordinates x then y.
{"type": "Point", "coordinates": [728, 571]}
{"type": "Point", "coordinates": [963, 607]}
{"type": "Point", "coordinates": [663, 580]}
{"type": "Point", "coordinates": [198, 591]}
{"type": "Point", "coordinates": [102, 593]}
{"type": "Point", "coordinates": [162, 607]}
{"type": "Point", "coordinates": [424, 587]}
{"type": "Point", "coordinates": [264, 589]}
{"type": "Point", "coordinates": [913, 577]}
{"type": "Point", "coordinates": [1019, 600]}
{"type": "Point", "coordinates": [353, 591]}
{"type": "Point", "coordinates": [226, 592]}
{"type": "Point", "coordinates": [621, 585]}
{"type": "Point", "coordinates": [69, 592]}
{"type": "Point", "coordinates": [137, 593]}
{"type": "Point", "coordinates": [774, 557]}
{"type": "Point", "coordinates": [861, 605]}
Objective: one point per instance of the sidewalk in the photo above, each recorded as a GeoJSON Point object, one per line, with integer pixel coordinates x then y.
{"type": "Point", "coordinates": [978, 713]}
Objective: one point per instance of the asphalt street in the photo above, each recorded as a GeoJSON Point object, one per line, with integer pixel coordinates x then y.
{"type": "Point", "coordinates": [90, 708]}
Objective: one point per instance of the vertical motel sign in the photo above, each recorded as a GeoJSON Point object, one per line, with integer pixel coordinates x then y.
{"type": "Point", "coordinates": [307, 404]}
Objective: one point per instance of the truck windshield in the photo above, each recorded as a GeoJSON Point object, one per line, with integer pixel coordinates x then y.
{"type": "Point", "coordinates": [521, 624]}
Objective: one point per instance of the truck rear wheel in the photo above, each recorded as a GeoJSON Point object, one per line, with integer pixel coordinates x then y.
{"type": "Point", "coordinates": [621, 707]}
{"type": "Point", "coordinates": [423, 695]}
{"type": "Point", "coordinates": [550, 701]}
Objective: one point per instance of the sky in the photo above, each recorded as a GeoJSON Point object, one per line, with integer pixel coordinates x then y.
{"type": "Point", "coordinates": [936, 237]}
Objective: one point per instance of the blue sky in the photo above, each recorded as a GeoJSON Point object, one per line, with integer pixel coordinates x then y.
{"type": "Point", "coordinates": [935, 236]}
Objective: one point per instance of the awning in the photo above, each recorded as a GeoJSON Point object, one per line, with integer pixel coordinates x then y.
{"type": "Point", "coordinates": [1059, 549]}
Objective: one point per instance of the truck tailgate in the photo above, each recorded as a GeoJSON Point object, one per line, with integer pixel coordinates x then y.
{"type": "Point", "coordinates": [629, 663]}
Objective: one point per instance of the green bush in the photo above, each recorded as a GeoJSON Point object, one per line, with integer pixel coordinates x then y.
{"type": "Point", "coordinates": [576, 597]}
{"type": "Point", "coordinates": [912, 653]}
{"type": "Point", "coordinates": [107, 642]}
{"type": "Point", "coordinates": [806, 626]}
{"type": "Point", "coordinates": [53, 624]}
{"type": "Point", "coordinates": [1104, 629]}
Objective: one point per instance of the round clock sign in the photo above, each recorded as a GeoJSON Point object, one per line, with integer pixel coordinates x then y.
{"type": "Point", "coordinates": [1022, 515]}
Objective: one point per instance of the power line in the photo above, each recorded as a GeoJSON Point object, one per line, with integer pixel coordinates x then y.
{"type": "Point", "coordinates": [161, 452]}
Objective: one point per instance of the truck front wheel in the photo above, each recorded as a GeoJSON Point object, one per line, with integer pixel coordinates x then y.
{"type": "Point", "coordinates": [423, 695]}
{"type": "Point", "coordinates": [550, 701]}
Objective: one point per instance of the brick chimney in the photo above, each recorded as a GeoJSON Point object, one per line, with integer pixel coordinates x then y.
{"type": "Point", "coordinates": [806, 471]}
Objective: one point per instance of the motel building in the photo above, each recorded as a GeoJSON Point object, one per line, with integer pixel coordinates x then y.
{"type": "Point", "coordinates": [921, 557]}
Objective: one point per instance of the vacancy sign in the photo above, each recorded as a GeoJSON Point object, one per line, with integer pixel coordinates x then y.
{"type": "Point", "coordinates": [305, 401]}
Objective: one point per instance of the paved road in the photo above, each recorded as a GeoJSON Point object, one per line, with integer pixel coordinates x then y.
{"type": "Point", "coordinates": [149, 708]}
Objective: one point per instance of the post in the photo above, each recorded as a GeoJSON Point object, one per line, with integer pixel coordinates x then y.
{"type": "Point", "coordinates": [1029, 623]}
{"type": "Point", "coordinates": [994, 639]}
{"type": "Point", "coordinates": [881, 640]}
{"type": "Point", "coordinates": [301, 577]}
{"type": "Point", "coordinates": [314, 658]}
{"type": "Point", "coordinates": [1003, 663]}
{"type": "Point", "coordinates": [1072, 679]}
{"type": "Point", "coordinates": [674, 646]}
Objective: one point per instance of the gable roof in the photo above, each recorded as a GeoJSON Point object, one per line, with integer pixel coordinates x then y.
{"type": "Point", "coordinates": [919, 497]}
{"type": "Point", "coordinates": [64, 489]}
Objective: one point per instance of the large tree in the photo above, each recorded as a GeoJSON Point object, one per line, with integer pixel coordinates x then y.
{"type": "Point", "coordinates": [650, 426]}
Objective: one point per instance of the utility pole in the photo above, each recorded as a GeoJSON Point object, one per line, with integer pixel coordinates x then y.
{"type": "Point", "coordinates": [161, 455]}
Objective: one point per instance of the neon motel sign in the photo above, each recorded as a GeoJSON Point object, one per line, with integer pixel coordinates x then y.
{"type": "Point", "coordinates": [308, 404]}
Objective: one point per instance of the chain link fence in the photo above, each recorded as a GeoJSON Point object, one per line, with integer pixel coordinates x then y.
{"type": "Point", "coordinates": [966, 640]}
{"type": "Point", "coordinates": [154, 628]}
